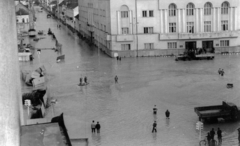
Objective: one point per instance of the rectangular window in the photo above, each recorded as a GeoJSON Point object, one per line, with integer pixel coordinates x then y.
{"type": "Point", "coordinates": [224, 43]}
{"type": "Point", "coordinates": [148, 46]}
{"type": "Point", "coordinates": [224, 25]}
{"type": "Point", "coordinates": [125, 47]}
{"type": "Point", "coordinates": [172, 45]}
{"type": "Point", "coordinates": [207, 26]}
{"type": "Point", "coordinates": [224, 10]}
{"type": "Point", "coordinates": [151, 13]}
{"type": "Point", "coordinates": [172, 12]}
{"type": "Point", "coordinates": [190, 27]}
{"type": "Point", "coordinates": [125, 30]}
{"type": "Point", "coordinates": [105, 28]}
{"type": "Point", "coordinates": [190, 11]}
{"type": "Point", "coordinates": [148, 29]}
{"type": "Point", "coordinates": [144, 13]}
{"type": "Point", "coordinates": [207, 11]}
{"type": "Point", "coordinates": [124, 14]}
{"type": "Point", "coordinates": [172, 27]}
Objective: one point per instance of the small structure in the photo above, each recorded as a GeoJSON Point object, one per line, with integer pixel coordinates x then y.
{"type": "Point", "coordinates": [229, 85]}
{"type": "Point", "coordinates": [60, 58]}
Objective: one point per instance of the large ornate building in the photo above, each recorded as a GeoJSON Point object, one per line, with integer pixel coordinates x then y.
{"type": "Point", "coordinates": [160, 27]}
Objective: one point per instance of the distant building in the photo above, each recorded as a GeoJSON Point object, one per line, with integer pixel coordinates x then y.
{"type": "Point", "coordinates": [62, 10]}
{"type": "Point", "coordinates": [22, 18]}
{"type": "Point", "coordinates": [159, 27]}
{"type": "Point", "coordinates": [24, 2]}
{"type": "Point", "coordinates": [71, 12]}
{"type": "Point", "coordinates": [76, 24]}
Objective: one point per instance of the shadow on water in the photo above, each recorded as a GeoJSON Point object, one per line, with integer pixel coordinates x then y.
{"type": "Point", "coordinates": [154, 135]}
{"type": "Point", "coordinates": [96, 138]}
{"type": "Point", "coordinates": [167, 122]}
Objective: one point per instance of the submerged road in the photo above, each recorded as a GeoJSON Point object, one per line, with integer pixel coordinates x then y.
{"type": "Point", "coordinates": [124, 110]}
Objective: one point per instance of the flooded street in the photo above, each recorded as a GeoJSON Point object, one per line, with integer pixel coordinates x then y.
{"type": "Point", "coordinates": [124, 109]}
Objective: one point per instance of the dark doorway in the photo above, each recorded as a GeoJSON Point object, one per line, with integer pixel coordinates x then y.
{"type": "Point", "coordinates": [208, 46]}
{"type": "Point", "coordinates": [190, 45]}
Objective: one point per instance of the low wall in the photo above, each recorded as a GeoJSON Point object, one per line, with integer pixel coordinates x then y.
{"type": "Point", "coordinates": [164, 52]}
{"type": "Point", "coordinates": [235, 49]}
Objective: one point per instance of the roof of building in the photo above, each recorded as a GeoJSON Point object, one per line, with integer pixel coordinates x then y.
{"type": "Point", "coordinates": [77, 16]}
{"type": "Point", "coordinates": [53, 3]}
{"type": "Point", "coordinates": [22, 12]}
{"type": "Point", "coordinates": [72, 4]}
{"type": "Point", "coordinates": [20, 4]}
{"type": "Point", "coordinates": [63, 3]}
{"type": "Point", "coordinates": [45, 134]}
{"type": "Point", "coordinates": [41, 134]}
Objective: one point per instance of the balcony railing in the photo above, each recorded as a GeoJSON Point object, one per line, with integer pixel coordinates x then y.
{"type": "Point", "coordinates": [174, 36]}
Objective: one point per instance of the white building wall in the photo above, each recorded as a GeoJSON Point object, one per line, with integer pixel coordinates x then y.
{"type": "Point", "coordinates": [23, 18]}
{"type": "Point", "coordinates": [160, 23]}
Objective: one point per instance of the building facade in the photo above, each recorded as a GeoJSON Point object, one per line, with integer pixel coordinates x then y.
{"type": "Point", "coordinates": [71, 11]}
{"type": "Point", "coordinates": [160, 27]}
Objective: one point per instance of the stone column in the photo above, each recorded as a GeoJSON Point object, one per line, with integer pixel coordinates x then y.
{"type": "Point", "coordinates": [10, 88]}
{"type": "Point", "coordinates": [183, 20]}
{"type": "Point", "coordinates": [201, 20]}
{"type": "Point", "coordinates": [230, 24]}
{"type": "Point", "coordinates": [161, 21]}
{"type": "Point", "coordinates": [219, 19]}
{"type": "Point", "coordinates": [235, 18]}
{"type": "Point", "coordinates": [179, 21]}
{"type": "Point", "coordinates": [213, 20]}
{"type": "Point", "coordinates": [166, 21]}
{"type": "Point", "coordinates": [130, 22]}
{"type": "Point", "coordinates": [196, 21]}
{"type": "Point", "coordinates": [119, 22]}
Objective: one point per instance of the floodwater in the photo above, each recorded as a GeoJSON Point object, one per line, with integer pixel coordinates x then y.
{"type": "Point", "coordinates": [124, 109]}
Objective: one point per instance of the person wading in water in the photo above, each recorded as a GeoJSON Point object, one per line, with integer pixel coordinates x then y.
{"type": "Point", "coordinates": [155, 110]}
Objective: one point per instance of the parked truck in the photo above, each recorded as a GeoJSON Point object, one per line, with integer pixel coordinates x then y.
{"type": "Point", "coordinates": [194, 54]}
{"type": "Point", "coordinates": [226, 111]}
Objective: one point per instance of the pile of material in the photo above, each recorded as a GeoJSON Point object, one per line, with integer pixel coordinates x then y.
{"type": "Point", "coordinates": [34, 78]}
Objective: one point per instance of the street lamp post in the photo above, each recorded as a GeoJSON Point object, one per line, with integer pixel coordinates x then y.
{"type": "Point", "coordinates": [53, 102]}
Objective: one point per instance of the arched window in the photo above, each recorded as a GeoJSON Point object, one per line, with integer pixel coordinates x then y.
{"type": "Point", "coordinates": [190, 9]}
{"type": "Point", "coordinates": [207, 8]}
{"type": "Point", "coordinates": [23, 21]}
{"type": "Point", "coordinates": [124, 11]}
{"type": "Point", "coordinates": [224, 8]}
{"type": "Point", "coordinates": [172, 10]}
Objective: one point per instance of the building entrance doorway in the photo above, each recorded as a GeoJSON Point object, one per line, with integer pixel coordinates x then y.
{"type": "Point", "coordinates": [208, 46]}
{"type": "Point", "coordinates": [190, 45]}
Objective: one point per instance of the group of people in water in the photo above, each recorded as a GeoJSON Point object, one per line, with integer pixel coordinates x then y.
{"type": "Point", "coordinates": [119, 58]}
{"type": "Point", "coordinates": [95, 127]}
{"type": "Point", "coordinates": [221, 71]}
{"type": "Point", "coordinates": [210, 137]}
{"type": "Point", "coordinates": [167, 114]}
{"type": "Point", "coordinates": [59, 26]}
{"type": "Point", "coordinates": [81, 81]}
